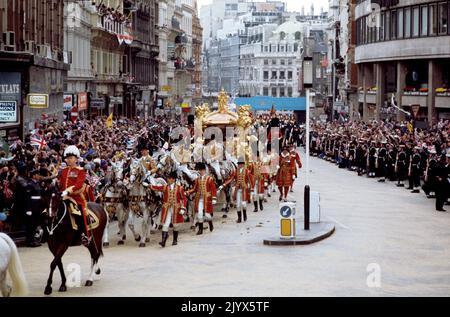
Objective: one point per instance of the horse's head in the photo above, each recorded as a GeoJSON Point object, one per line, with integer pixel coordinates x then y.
{"type": "Point", "coordinates": [117, 172]}
{"type": "Point", "coordinates": [52, 200]}
{"type": "Point", "coordinates": [137, 172]}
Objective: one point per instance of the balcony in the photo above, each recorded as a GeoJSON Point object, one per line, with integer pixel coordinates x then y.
{"type": "Point", "coordinates": [442, 98]}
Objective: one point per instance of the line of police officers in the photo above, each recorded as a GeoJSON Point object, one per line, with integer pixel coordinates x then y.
{"type": "Point", "coordinates": [400, 162]}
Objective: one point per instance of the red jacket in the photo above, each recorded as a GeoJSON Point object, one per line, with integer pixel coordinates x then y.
{"type": "Point", "coordinates": [207, 189]}
{"type": "Point", "coordinates": [243, 181]}
{"type": "Point", "coordinates": [75, 177]}
{"type": "Point", "coordinates": [175, 199]}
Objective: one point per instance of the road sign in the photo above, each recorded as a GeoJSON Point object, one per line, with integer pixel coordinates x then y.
{"type": "Point", "coordinates": [287, 220]}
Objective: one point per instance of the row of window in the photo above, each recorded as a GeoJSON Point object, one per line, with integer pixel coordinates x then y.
{"type": "Point", "coordinates": [406, 22]}
{"type": "Point", "coordinates": [274, 92]}
{"type": "Point", "coordinates": [281, 48]}
{"type": "Point", "coordinates": [275, 62]}
{"type": "Point", "coordinates": [277, 75]}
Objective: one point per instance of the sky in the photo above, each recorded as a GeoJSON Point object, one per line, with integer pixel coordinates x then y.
{"type": "Point", "coordinates": [292, 5]}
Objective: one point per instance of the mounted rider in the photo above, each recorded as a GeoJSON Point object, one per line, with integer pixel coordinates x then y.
{"type": "Point", "coordinates": [146, 160]}
{"type": "Point", "coordinates": [72, 183]}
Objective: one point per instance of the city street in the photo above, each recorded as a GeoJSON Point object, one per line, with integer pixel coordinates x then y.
{"type": "Point", "coordinates": [375, 223]}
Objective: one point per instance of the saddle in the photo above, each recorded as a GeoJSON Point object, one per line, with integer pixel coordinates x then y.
{"type": "Point", "coordinates": [91, 217]}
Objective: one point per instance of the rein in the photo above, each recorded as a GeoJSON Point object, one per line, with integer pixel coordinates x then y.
{"type": "Point", "coordinates": [50, 232]}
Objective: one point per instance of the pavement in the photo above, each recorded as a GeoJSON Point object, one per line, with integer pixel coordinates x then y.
{"type": "Point", "coordinates": [388, 242]}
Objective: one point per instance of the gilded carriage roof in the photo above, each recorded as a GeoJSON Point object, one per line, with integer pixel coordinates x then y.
{"type": "Point", "coordinates": [223, 116]}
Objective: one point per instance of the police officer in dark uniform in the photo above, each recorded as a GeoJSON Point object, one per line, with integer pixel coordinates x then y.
{"type": "Point", "coordinates": [429, 186]}
{"type": "Point", "coordinates": [33, 209]}
{"type": "Point", "coordinates": [360, 157]}
{"type": "Point", "coordinates": [414, 172]}
{"type": "Point", "coordinates": [400, 168]}
{"type": "Point", "coordinates": [442, 185]}
{"type": "Point", "coordinates": [381, 163]}
{"type": "Point", "coordinates": [372, 160]}
{"type": "Point", "coordinates": [391, 163]}
{"type": "Point", "coordinates": [351, 155]}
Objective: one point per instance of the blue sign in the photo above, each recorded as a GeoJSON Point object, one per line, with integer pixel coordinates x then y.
{"type": "Point", "coordinates": [286, 212]}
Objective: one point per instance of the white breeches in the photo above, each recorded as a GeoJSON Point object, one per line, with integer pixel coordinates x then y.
{"type": "Point", "coordinates": [166, 224]}
{"type": "Point", "coordinates": [255, 193]}
{"type": "Point", "coordinates": [201, 214]}
{"type": "Point", "coordinates": [240, 204]}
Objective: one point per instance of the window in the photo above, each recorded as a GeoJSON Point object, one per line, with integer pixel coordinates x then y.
{"type": "Point", "coordinates": [289, 61]}
{"type": "Point", "coordinates": [265, 91]}
{"type": "Point", "coordinates": [415, 22]}
{"type": "Point", "coordinates": [282, 62]}
{"type": "Point", "coordinates": [298, 36]}
{"type": "Point", "coordinates": [282, 75]}
{"type": "Point", "coordinates": [289, 75]}
{"type": "Point", "coordinates": [289, 91]}
{"type": "Point", "coordinates": [295, 47]}
{"type": "Point", "coordinates": [443, 18]}
{"type": "Point", "coordinates": [266, 49]}
{"type": "Point", "coordinates": [382, 25]}
{"type": "Point", "coordinates": [266, 62]}
{"type": "Point", "coordinates": [266, 75]}
{"type": "Point", "coordinates": [274, 92]}
{"type": "Point", "coordinates": [424, 21]}
{"type": "Point", "coordinates": [394, 25]}
{"type": "Point", "coordinates": [274, 75]}
{"type": "Point", "coordinates": [433, 28]}
{"type": "Point", "coordinates": [282, 92]}
{"type": "Point", "coordinates": [400, 24]}
{"type": "Point", "coordinates": [282, 48]}
{"type": "Point", "coordinates": [407, 16]}
{"type": "Point", "coordinates": [388, 27]}
{"type": "Point", "coordinates": [274, 61]}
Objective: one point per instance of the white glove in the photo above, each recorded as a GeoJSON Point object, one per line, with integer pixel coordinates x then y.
{"type": "Point", "coordinates": [29, 213]}
{"type": "Point", "coordinates": [65, 193]}
{"type": "Point", "coordinates": [214, 202]}
{"type": "Point", "coordinates": [266, 184]}
{"type": "Point", "coordinates": [145, 184]}
{"type": "Point", "coordinates": [182, 212]}
{"type": "Point", "coordinates": [278, 167]}
{"type": "Point", "coordinates": [220, 188]}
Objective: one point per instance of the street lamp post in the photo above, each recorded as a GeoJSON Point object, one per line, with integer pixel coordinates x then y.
{"type": "Point", "coordinates": [307, 84]}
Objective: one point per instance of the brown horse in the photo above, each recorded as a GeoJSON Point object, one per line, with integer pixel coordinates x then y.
{"type": "Point", "coordinates": [61, 236]}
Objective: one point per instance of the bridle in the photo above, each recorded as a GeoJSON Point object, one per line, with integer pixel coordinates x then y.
{"type": "Point", "coordinates": [52, 217]}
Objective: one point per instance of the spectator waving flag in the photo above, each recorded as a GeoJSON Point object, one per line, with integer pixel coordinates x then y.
{"type": "Point", "coordinates": [38, 141]}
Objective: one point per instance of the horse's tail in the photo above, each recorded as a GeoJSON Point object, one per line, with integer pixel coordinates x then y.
{"type": "Point", "coordinates": [20, 287]}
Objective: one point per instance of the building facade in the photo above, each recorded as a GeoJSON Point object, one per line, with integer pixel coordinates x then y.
{"type": "Point", "coordinates": [271, 60]}
{"type": "Point", "coordinates": [33, 61]}
{"type": "Point", "coordinates": [77, 41]}
{"type": "Point", "coordinates": [140, 63]}
{"type": "Point", "coordinates": [403, 50]}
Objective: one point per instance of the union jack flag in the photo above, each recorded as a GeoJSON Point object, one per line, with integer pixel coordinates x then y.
{"type": "Point", "coordinates": [6, 190]}
{"type": "Point", "coordinates": [93, 180]}
{"type": "Point", "coordinates": [38, 141]}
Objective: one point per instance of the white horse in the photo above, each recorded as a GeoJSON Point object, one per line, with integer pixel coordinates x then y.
{"type": "Point", "coordinates": [113, 202]}
{"type": "Point", "coordinates": [10, 261]}
{"type": "Point", "coordinates": [137, 203]}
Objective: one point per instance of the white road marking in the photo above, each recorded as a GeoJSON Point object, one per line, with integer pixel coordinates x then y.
{"type": "Point", "coordinates": [339, 223]}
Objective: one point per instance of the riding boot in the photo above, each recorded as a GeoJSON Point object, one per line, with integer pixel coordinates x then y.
{"type": "Point", "coordinates": [239, 217]}
{"type": "Point", "coordinates": [256, 206]}
{"type": "Point", "coordinates": [200, 229]}
{"type": "Point", "coordinates": [261, 207]}
{"type": "Point", "coordinates": [165, 236]}
{"type": "Point", "coordinates": [175, 238]}
{"type": "Point", "coordinates": [211, 226]}
{"type": "Point", "coordinates": [245, 214]}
